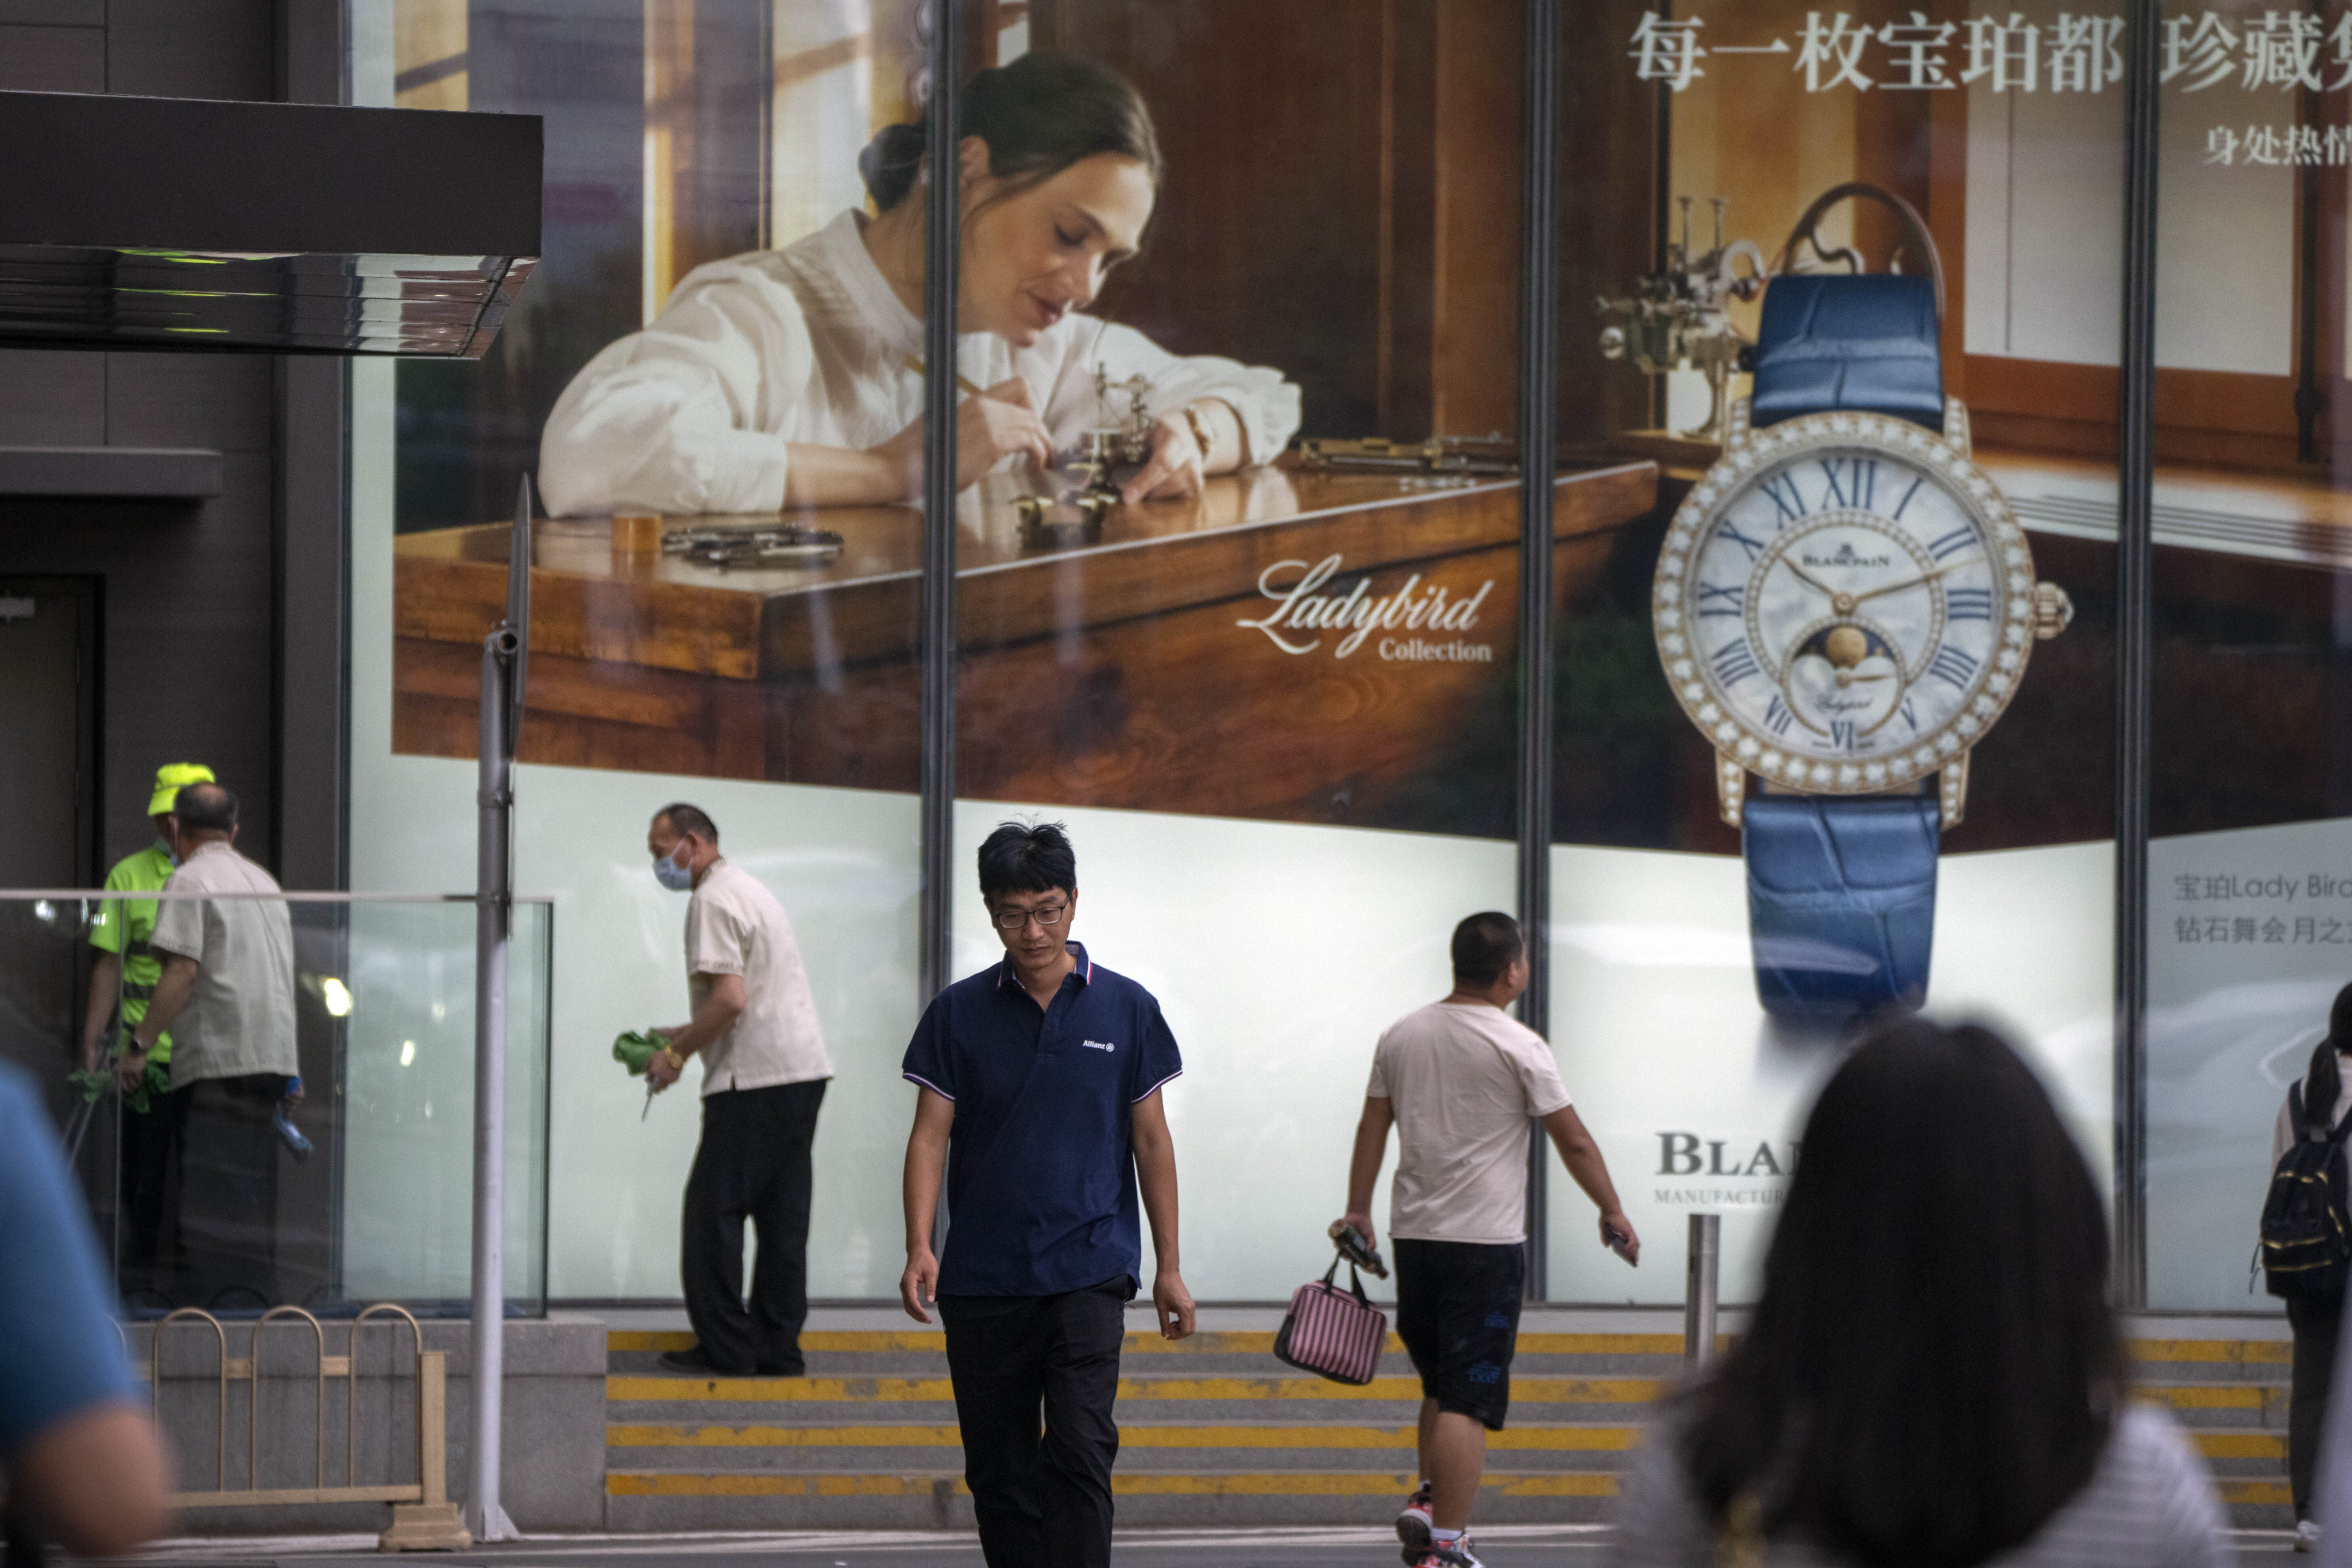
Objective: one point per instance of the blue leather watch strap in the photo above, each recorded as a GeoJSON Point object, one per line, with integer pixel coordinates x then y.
{"type": "Point", "coordinates": [1831, 340]}
{"type": "Point", "coordinates": [1840, 904]}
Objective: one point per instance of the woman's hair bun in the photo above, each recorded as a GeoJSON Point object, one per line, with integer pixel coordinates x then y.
{"type": "Point", "coordinates": [889, 163]}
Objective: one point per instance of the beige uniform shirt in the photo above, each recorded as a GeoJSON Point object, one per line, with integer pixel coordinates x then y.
{"type": "Point", "coordinates": [1463, 1079]}
{"type": "Point", "coordinates": [734, 926]}
{"type": "Point", "coordinates": [241, 1017]}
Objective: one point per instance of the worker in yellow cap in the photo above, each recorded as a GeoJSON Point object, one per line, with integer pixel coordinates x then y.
{"type": "Point", "coordinates": [127, 970]}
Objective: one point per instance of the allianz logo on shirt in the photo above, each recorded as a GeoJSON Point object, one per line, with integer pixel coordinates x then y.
{"type": "Point", "coordinates": [1099, 1044]}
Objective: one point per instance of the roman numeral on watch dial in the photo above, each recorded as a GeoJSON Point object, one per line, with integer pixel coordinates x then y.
{"type": "Point", "coordinates": [1754, 547]}
{"type": "Point", "coordinates": [1784, 493]}
{"type": "Point", "coordinates": [1730, 601]}
{"type": "Point", "coordinates": [1852, 481]}
{"type": "Point", "coordinates": [1734, 663]}
{"type": "Point", "coordinates": [1950, 664]}
{"type": "Point", "coordinates": [1968, 603]}
{"type": "Point", "coordinates": [1952, 543]}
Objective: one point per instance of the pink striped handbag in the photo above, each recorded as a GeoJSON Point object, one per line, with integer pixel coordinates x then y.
{"type": "Point", "coordinates": [1332, 1332]}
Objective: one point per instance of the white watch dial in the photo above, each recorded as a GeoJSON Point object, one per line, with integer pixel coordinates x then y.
{"type": "Point", "coordinates": [1844, 602]}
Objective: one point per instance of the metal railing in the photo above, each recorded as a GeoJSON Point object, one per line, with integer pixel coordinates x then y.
{"type": "Point", "coordinates": [423, 1517]}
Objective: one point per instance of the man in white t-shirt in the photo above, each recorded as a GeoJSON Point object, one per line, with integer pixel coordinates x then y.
{"type": "Point", "coordinates": [764, 1070]}
{"type": "Point", "coordinates": [1460, 1079]}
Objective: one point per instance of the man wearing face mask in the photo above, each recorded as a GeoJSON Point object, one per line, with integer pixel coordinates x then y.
{"type": "Point", "coordinates": [125, 971]}
{"type": "Point", "coordinates": [764, 1070]}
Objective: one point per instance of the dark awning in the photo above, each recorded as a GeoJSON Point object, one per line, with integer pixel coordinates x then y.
{"type": "Point", "coordinates": [166, 223]}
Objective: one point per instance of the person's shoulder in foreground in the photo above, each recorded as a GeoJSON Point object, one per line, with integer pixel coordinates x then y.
{"type": "Point", "coordinates": [58, 1347]}
{"type": "Point", "coordinates": [79, 1452]}
{"type": "Point", "coordinates": [2148, 1505]}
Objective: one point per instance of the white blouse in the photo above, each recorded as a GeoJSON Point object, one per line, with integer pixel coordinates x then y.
{"type": "Point", "coordinates": [810, 344]}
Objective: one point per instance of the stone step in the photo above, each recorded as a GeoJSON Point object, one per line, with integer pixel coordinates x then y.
{"type": "Point", "coordinates": [2243, 1455]}
{"type": "Point", "coordinates": [905, 1499]}
{"type": "Point", "coordinates": [920, 1353]}
{"type": "Point", "coordinates": [2203, 1404]}
{"type": "Point", "coordinates": [2234, 1454]}
{"type": "Point", "coordinates": [1153, 1448]}
{"type": "Point", "coordinates": [1215, 1432]}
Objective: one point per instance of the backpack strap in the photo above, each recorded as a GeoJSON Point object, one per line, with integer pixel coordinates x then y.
{"type": "Point", "coordinates": [2298, 1123]}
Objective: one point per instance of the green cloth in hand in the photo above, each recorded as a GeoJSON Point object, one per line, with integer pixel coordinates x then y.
{"type": "Point", "coordinates": [157, 1079]}
{"type": "Point", "coordinates": [634, 1050]}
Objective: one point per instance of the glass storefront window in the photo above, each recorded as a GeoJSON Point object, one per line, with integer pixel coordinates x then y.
{"type": "Point", "coordinates": [1281, 718]}
{"type": "Point", "coordinates": [1277, 717]}
{"type": "Point", "coordinates": [1752, 136]}
{"type": "Point", "coordinates": [2248, 914]}
{"type": "Point", "coordinates": [728, 648]}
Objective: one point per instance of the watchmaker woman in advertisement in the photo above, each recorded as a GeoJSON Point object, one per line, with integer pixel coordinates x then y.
{"type": "Point", "coordinates": [793, 377]}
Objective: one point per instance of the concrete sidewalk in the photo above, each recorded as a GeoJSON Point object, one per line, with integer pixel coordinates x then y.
{"type": "Point", "coordinates": [1504, 1546]}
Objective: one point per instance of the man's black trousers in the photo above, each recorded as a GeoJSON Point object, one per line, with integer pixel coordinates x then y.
{"type": "Point", "coordinates": [753, 1163]}
{"type": "Point", "coordinates": [2314, 1325]}
{"type": "Point", "coordinates": [229, 1191]}
{"type": "Point", "coordinates": [1042, 1499]}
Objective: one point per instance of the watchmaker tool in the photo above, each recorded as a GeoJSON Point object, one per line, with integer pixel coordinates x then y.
{"type": "Point", "coordinates": [1046, 525]}
{"type": "Point", "coordinates": [728, 547]}
{"type": "Point", "coordinates": [1358, 1249]}
{"type": "Point", "coordinates": [1678, 317]}
{"type": "Point", "coordinates": [1490, 454]}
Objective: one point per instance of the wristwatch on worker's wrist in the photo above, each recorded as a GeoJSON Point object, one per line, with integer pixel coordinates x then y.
{"type": "Point", "coordinates": [1844, 606]}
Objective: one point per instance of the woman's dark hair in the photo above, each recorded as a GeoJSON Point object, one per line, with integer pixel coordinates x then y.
{"type": "Point", "coordinates": [1027, 858]}
{"type": "Point", "coordinates": [2323, 1083]}
{"type": "Point", "coordinates": [1933, 1368]}
{"type": "Point", "coordinates": [1039, 115]}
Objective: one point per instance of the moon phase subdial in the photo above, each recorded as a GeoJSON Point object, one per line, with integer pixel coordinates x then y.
{"type": "Point", "coordinates": [1844, 679]}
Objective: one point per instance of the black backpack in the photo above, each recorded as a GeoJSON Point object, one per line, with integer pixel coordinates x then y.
{"type": "Point", "coordinates": [2306, 1245]}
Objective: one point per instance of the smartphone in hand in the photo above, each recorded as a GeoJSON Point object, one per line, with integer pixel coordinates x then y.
{"type": "Point", "coordinates": [1618, 1243]}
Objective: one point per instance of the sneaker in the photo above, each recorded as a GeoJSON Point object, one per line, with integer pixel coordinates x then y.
{"type": "Point", "coordinates": [1454, 1555]}
{"type": "Point", "coordinates": [695, 1363]}
{"type": "Point", "coordinates": [1412, 1524]}
{"type": "Point", "coordinates": [2306, 1536]}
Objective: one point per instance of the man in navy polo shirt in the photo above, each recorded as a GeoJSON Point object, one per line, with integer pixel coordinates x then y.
{"type": "Point", "coordinates": [1039, 1086]}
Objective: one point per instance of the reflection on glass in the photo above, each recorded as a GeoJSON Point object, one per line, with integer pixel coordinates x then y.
{"type": "Point", "coordinates": [1780, 781]}
{"type": "Point", "coordinates": [1279, 710]}
{"type": "Point", "coordinates": [761, 668]}
{"type": "Point", "coordinates": [221, 1180]}
{"type": "Point", "coordinates": [2250, 912]}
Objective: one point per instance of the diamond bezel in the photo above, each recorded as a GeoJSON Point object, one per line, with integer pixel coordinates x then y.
{"type": "Point", "coordinates": [1979, 708]}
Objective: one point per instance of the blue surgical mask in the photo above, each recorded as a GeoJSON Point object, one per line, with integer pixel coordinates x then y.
{"type": "Point", "coordinates": [678, 879]}
{"type": "Point", "coordinates": [165, 846]}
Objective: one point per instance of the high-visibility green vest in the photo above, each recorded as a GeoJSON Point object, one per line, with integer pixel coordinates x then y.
{"type": "Point", "coordinates": [125, 927]}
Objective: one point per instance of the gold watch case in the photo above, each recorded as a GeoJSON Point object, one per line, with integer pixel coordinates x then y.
{"type": "Point", "coordinates": [2023, 610]}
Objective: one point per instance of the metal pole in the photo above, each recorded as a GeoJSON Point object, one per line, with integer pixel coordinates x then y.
{"type": "Point", "coordinates": [942, 233]}
{"type": "Point", "coordinates": [1538, 449]}
{"type": "Point", "coordinates": [503, 656]}
{"type": "Point", "coordinates": [2134, 565]}
{"type": "Point", "coordinates": [1699, 1289]}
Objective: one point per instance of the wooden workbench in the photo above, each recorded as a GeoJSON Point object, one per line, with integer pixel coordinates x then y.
{"type": "Point", "coordinates": [1110, 674]}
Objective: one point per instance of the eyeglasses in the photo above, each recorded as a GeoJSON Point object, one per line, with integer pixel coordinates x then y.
{"type": "Point", "coordinates": [1047, 916]}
